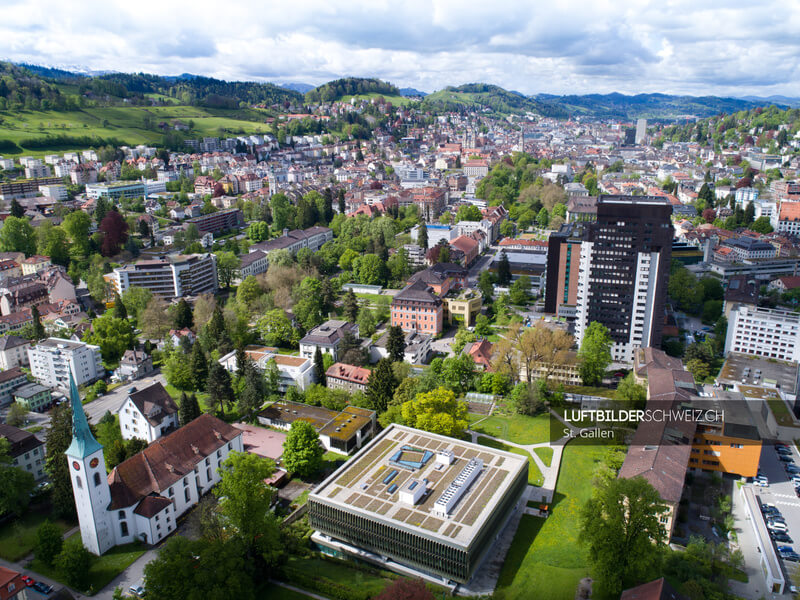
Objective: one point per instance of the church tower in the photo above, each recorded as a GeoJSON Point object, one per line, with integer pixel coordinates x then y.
{"type": "Point", "coordinates": [87, 468]}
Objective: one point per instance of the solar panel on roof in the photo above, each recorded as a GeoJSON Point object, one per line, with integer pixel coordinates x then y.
{"type": "Point", "coordinates": [392, 488]}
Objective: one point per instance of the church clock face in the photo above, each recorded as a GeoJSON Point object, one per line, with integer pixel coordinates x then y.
{"type": "Point", "coordinates": [76, 465]}
{"type": "Point", "coordinates": [94, 462]}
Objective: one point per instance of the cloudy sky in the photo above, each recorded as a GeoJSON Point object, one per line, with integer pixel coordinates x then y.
{"type": "Point", "coordinates": [562, 46]}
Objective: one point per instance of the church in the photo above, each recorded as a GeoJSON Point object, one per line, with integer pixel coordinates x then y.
{"type": "Point", "coordinates": [143, 497]}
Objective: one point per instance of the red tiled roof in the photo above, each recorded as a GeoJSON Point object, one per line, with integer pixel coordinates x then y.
{"type": "Point", "coordinates": [351, 373]}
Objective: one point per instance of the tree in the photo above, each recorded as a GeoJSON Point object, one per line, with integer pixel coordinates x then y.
{"type": "Point", "coordinates": [422, 236]}
{"type": "Point", "coordinates": [504, 269]}
{"type": "Point", "coordinates": [468, 212]}
{"type": "Point", "coordinates": [253, 392]}
{"type": "Point", "coordinates": [340, 197]}
{"type": "Point", "coordinates": [308, 308]}
{"type": "Point", "coordinates": [120, 311]}
{"type": "Point", "coordinates": [57, 440]}
{"type": "Point", "coordinates": [396, 343]}
{"type": "Point", "coordinates": [154, 320]}
{"type": "Point", "coordinates": [189, 409]}
{"type": "Point", "coordinates": [16, 209]}
{"type": "Point", "coordinates": [198, 365]}
{"type": "Point", "coordinates": [135, 300]}
{"type": "Point", "coordinates": [486, 285]}
{"type": "Point", "coordinates": [217, 332]}
{"type": "Point", "coordinates": [73, 563]}
{"type": "Point", "coordinates": [319, 367]}
{"type": "Point", "coordinates": [520, 291]}
{"type": "Point", "coordinates": [17, 235]}
{"type": "Point", "coordinates": [749, 213]}
{"type": "Point", "coordinates": [762, 225]}
{"type": "Point", "coordinates": [77, 225]}
{"type": "Point", "coordinates": [49, 542]}
{"type": "Point", "coordinates": [113, 335]}
{"type": "Point", "coordinates": [406, 589]}
{"type": "Point", "coordinates": [218, 387]}
{"type": "Point", "coordinates": [366, 322]}
{"type": "Point", "coordinates": [248, 292]}
{"type": "Point", "coordinates": [620, 525]}
{"type": "Point", "coordinates": [38, 328]}
{"type": "Point", "coordinates": [215, 569]}
{"type": "Point", "coordinates": [227, 264]}
{"type": "Point", "coordinates": [244, 503]}
{"type": "Point", "coordinates": [436, 411]}
{"type": "Point", "coordinates": [182, 315]}
{"type": "Point", "coordinates": [16, 414]}
{"type": "Point", "coordinates": [302, 450]}
{"type": "Point", "coordinates": [16, 485]}
{"type": "Point", "coordinates": [595, 353]}
{"type": "Point", "coordinates": [275, 328]}
{"type": "Point", "coordinates": [115, 233]}
{"type": "Point", "coordinates": [381, 385]}
{"type": "Point", "coordinates": [631, 393]}
{"type": "Point", "coordinates": [350, 306]}
{"type": "Point", "coordinates": [458, 372]}
{"type": "Point", "coordinates": [178, 371]}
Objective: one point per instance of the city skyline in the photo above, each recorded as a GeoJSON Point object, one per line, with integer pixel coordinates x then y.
{"type": "Point", "coordinates": [679, 47]}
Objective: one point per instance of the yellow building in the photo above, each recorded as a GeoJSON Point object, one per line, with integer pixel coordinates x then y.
{"type": "Point", "coordinates": [726, 439]}
{"type": "Point", "coordinates": [462, 306]}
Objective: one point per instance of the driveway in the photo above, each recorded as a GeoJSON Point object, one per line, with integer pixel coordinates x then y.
{"type": "Point", "coordinates": [113, 400]}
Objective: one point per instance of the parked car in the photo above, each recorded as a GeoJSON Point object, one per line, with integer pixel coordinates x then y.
{"type": "Point", "coordinates": [791, 468]}
{"type": "Point", "coordinates": [137, 589]}
{"type": "Point", "coordinates": [777, 519]}
{"type": "Point", "coordinates": [779, 536]}
{"type": "Point", "coordinates": [777, 526]}
{"type": "Point", "coordinates": [761, 481]}
{"type": "Point", "coordinates": [783, 450]}
{"type": "Point", "coordinates": [42, 587]}
{"type": "Point", "coordinates": [790, 556]}
{"type": "Point", "coordinates": [29, 581]}
{"type": "Point", "coordinates": [770, 510]}
{"type": "Point", "coordinates": [785, 458]}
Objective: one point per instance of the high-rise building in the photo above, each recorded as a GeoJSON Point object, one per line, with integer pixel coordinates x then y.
{"type": "Point", "coordinates": [641, 130]}
{"type": "Point", "coordinates": [169, 276]}
{"type": "Point", "coordinates": [614, 272]}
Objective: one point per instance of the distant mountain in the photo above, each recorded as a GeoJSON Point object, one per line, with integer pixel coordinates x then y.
{"type": "Point", "coordinates": [785, 100]}
{"type": "Point", "coordinates": [301, 88]}
{"type": "Point", "coordinates": [492, 98]}
{"type": "Point", "coordinates": [410, 92]}
{"type": "Point", "coordinates": [648, 106]}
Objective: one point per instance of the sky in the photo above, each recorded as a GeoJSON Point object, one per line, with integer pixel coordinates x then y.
{"type": "Point", "coordinates": [697, 47]}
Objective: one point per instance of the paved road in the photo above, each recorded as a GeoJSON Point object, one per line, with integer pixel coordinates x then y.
{"type": "Point", "coordinates": [114, 399]}
{"type": "Point", "coordinates": [480, 265]}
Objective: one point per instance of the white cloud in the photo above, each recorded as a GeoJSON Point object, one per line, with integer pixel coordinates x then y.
{"type": "Point", "coordinates": [677, 46]}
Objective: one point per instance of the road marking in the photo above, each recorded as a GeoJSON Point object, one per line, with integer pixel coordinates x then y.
{"type": "Point", "coordinates": [787, 503]}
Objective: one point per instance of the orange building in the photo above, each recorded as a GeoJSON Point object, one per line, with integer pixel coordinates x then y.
{"type": "Point", "coordinates": [726, 440]}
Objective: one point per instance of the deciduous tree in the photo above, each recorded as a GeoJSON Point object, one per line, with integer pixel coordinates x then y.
{"type": "Point", "coordinates": [595, 353]}
{"type": "Point", "coordinates": [302, 451]}
{"type": "Point", "coordinates": [436, 411]}
{"type": "Point", "coordinates": [115, 233]}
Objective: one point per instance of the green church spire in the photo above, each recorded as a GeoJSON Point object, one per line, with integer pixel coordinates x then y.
{"type": "Point", "coordinates": [83, 442]}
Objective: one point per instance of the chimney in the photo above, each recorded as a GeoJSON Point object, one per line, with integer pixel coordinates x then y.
{"type": "Point", "coordinates": [285, 232]}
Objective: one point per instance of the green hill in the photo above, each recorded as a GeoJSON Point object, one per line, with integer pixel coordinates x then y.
{"type": "Point", "coordinates": [478, 96]}
{"type": "Point", "coordinates": [351, 86]}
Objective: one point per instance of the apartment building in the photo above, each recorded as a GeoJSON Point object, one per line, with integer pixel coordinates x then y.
{"type": "Point", "coordinates": [327, 337]}
{"type": "Point", "coordinates": [312, 238]}
{"type": "Point", "coordinates": [9, 381]}
{"type": "Point", "coordinates": [765, 332]}
{"type": "Point", "coordinates": [293, 371]}
{"type": "Point", "coordinates": [787, 219]}
{"type": "Point", "coordinates": [341, 376]}
{"type": "Point", "coordinates": [27, 452]}
{"type": "Point", "coordinates": [623, 266]}
{"type": "Point", "coordinates": [13, 352]}
{"type": "Point", "coordinates": [26, 188]}
{"type": "Point", "coordinates": [171, 276]}
{"type": "Point", "coordinates": [52, 360]}
{"type": "Point", "coordinates": [216, 222]}
{"type": "Point", "coordinates": [33, 396]}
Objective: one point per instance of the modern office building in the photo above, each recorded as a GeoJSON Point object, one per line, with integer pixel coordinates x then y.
{"type": "Point", "coordinates": [622, 262]}
{"type": "Point", "coordinates": [641, 131]}
{"type": "Point", "coordinates": [171, 276]}
{"type": "Point", "coordinates": [418, 502]}
{"type": "Point", "coordinates": [52, 360]}
{"type": "Point", "coordinates": [765, 332]}
{"type": "Point", "coordinates": [115, 190]}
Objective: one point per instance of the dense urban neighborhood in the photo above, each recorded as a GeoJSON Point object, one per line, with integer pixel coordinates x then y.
{"type": "Point", "coordinates": [361, 344]}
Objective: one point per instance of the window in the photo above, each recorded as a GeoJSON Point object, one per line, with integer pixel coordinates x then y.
{"type": "Point", "coordinates": [96, 479]}
{"type": "Point", "coordinates": [186, 494]}
{"type": "Point", "coordinates": [79, 482]}
{"type": "Point", "coordinates": [121, 514]}
{"type": "Point", "coordinates": [123, 529]}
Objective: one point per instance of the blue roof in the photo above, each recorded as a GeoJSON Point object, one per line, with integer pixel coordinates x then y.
{"type": "Point", "coordinates": [83, 442]}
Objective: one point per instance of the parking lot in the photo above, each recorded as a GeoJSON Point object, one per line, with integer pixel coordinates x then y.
{"type": "Point", "coordinates": [781, 494]}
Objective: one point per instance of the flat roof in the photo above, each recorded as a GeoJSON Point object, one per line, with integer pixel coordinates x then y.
{"type": "Point", "coordinates": [774, 373]}
{"type": "Point", "coordinates": [370, 483]}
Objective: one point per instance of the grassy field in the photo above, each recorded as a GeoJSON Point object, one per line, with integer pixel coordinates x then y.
{"type": "Point", "coordinates": [336, 572]}
{"type": "Point", "coordinates": [519, 429]}
{"type": "Point", "coordinates": [395, 100]}
{"type": "Point", "coordinates": [104, 568]}
{"type": "Point", "coordinates": [546, 561]}
{"type": "Point", "coordinates": [202, 397]}
{"type": "Point", "coordinates": [18, 537]}
{"type": "Point", "coordinates": [534, 474]}
{"type": "Point", "coordinates": [545, 453]}
{"type": "Point", "coordinates": [781, 412]}
{"type": "Point", "coordinates": [126, 123]}
{"type": "Point", "coordinates": [589, 391]}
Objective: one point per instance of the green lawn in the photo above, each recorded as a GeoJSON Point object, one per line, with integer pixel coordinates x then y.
{"type": "Point", "coordinates": [18, 537]}
{"type": "Point", "coordinates": [545, 453]}
{"type": "Point", "coordinates": [586, 390]}
{"type": "Point", "coordinates": [337, 572]}
{"type": "Point", "coordinates": [546, 561]}
{"type": "Point", "coordinates": [104, 568]}
{"type": "Point", "coordinates": [535, 476]}
{"type": "Point", "coordinates": [519, 429]}
{"type": "Point", "coordinates": [781, 412]}
{"type": "Point", "coordinates": [176, 395]}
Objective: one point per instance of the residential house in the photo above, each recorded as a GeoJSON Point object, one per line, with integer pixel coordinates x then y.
{"type": "Point", "coordinates": [148, 414]}
{"type": "Point", "coordinates": [33, 396]}
{"type": "Point", "coordinates": [26, 452]}
{"type": "Point", "coordinates": [9, 381]}
{"type": "Point", "coordinates": [13, 352]}
{"type": "Point", "coordinates": [341, 376]}
{"type": "Point", "coordinates": [327, 337]}
{"type": "Point", "coordinates": [135, 364]}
